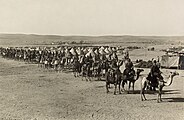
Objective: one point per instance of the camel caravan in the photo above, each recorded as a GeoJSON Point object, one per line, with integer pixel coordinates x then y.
{"type": "Point", "coordinates": [101, 63]}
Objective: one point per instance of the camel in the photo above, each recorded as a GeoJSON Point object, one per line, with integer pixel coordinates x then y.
{"type": "Point", "coordinates": [161, 84]}
{"type": "Point", "coordinates": [97, 69]}
{"type": "Point", "coordinates": [113, 77]}
{"type": "Point", "coordinates": [86, 72]}
{"type": "Point", "coordinates": [76, 68]}
{"type": "Point", "coordinates": [132, 81]}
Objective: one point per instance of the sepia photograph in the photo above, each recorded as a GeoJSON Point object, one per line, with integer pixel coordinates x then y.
{"type": "Point", "coordinates": [91, 59]}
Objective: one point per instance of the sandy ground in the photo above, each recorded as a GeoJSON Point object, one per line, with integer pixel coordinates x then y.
{"type": "Point", "coordinates": [28, 92]}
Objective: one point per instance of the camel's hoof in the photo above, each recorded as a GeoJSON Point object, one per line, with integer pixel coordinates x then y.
{"type": "Point", "coordinates": [120, 93]}
{"type": "Point", "coordinates": [114, 93]}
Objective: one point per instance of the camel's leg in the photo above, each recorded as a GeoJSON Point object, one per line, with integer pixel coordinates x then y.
{"type": "Point", "coordinates": [89, 78]}
{"type": "Point", "coordinates": [123, 84]}
{"type": "Point", "coordinates": [141, 92]}
{"type": "Point", "coordinates": [143, 87]}
{"type": "Point", "coordinates": [115, 88]}
{"type": "Point", "coordinates": [133, 85]}
{"type": "Point", "coordinates": [77, 75]}
{"type": "Point", "coordinates": [129, 85]}
{"type": "Point", "coordinates": [107, 87]}
{"type": "Point", "coordinates": [74, 74]}
{"type": "Point", "coordinates": [143, 97]}
{"type": "Point", "coordinates": [159, 94]}
{"type": "Point", "coordinates": [158, 99]}
{"type": "Point", "coordinates": [56, 68]}
{"type": "Point", "coordinates": [99, 77]}
{"type": "Point", "coordinates": [119, 88]}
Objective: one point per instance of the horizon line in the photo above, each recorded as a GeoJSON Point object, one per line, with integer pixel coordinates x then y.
{"type": "Point", "coordinates": [78, 35]}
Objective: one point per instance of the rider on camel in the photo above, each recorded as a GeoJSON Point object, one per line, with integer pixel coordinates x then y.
{"type": "Point", "coordinates": [155, 75]}
{"type": "Point", "coordinates": [129, 71]}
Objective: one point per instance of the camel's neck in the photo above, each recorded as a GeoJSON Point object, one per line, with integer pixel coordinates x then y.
{"type": "Point", "coordinates": [137, 76]}
{"type": "Point", "coordinates": [169, 81]}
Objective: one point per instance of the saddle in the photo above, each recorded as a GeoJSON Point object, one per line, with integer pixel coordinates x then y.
{"type": "Point", "coordinates": [111, 76]}
{"type": "Point", "coordinates": [128, 74]}
{"type": "Point", "coordinates": [153, 80]}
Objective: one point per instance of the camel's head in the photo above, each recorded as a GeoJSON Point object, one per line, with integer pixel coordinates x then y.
{"type": "Point", "coordinates": [139, 71]}
{"type": "Point", "coordinates": [174, 73]}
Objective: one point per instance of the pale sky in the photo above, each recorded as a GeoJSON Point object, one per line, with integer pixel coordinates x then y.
{"type": "Point", "coordinates": [92, 17]}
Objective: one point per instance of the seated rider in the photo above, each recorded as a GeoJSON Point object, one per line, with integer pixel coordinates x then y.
{"type": "Point", "coordinates": [155, 74]}
{"type": "Point", "coordinates": [113, 68]}
{"type": "Point", "coordinates": [129, 71]}
{"type": "Point", "coordinates": [89, 60]}
{"type": "Point", "coordinates": [114, 64]}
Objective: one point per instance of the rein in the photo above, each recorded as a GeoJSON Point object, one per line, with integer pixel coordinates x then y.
{"type": "Point", "coordinates": [166, 76]}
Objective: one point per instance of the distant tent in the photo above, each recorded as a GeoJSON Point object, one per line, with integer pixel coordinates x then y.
{"type": "Point", "coordinates": [172, 61]}
{"type": "Point", "coordinates": [85, 50]}
{"type": "Point", "coordinates": [91, 52]}
{"type": "Point", "coordinates": [107, 51]}
{"type": "Point", "coordinates": [101, 48]}
{"type": "Point", "coordinates": [97, 52]}
{"type": "Point", "coordinates": [80, 52]}
{"type": "Point", "coordinates": [110, 49]}
{"type": "Point", "coordinates": [73, 51]}
{"type": "Point", "coordinates": [66, 50]}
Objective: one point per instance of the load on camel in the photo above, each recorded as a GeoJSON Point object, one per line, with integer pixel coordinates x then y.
{"type": "Point", "coordinates": [161, 84]}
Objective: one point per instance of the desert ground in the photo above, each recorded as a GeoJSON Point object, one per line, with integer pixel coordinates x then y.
{"type": "Point", "coordinates": [28, 92]}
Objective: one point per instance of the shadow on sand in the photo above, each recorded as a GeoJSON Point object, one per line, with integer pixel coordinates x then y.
{"type": "Point", "coordinates": [177, 99]}
{"type": "Point", "coordinates": [171, 92]}
{"type": "Point", "coordinates": [155, 92]}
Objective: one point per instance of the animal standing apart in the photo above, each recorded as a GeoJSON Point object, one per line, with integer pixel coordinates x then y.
{"type": "Point", "coordinates": [161, 84]}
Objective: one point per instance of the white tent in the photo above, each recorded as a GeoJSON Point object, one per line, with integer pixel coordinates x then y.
{"type": "Point", "coordinates": [170, 61]}
{"type": "Point", "coordinates": [102, 52]}
{"type": "Point", "coordinates": [73, 51]}
{"type": "Point", "coordinates": [107, 51]}
{"type": "Point", "coordinates": [91, 52]}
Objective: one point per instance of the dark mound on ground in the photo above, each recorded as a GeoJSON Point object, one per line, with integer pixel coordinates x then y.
{"type": "Point", "coordinates": [144, 64]}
